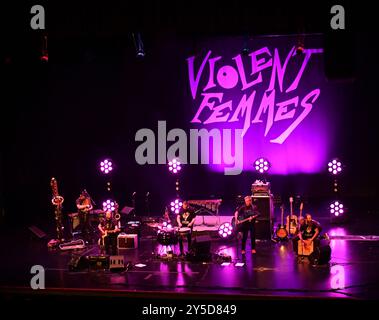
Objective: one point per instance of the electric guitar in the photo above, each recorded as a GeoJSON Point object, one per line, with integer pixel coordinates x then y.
{"type": "Point", "coordinates": [106, 233]}
{"type": "Point", "coordinates": [291, 221]}
{"type": "Point", "coordinates": [282, 232]}
{"type": "Point", "coordinates": [239, 225]}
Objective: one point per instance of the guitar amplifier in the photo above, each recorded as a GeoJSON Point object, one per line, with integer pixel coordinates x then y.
{"type": "Point", "coordinates": [263, 229]}
{"type": "Point", "coordinates": [265, 206]}
{"type": "Point", "coordinates": [127, 241]}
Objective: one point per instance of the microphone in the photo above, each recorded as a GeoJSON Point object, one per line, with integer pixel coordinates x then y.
{"type": "Point", "coordinates": [134, 194]}
{"type": "Point", "coordinates": [147, 194]}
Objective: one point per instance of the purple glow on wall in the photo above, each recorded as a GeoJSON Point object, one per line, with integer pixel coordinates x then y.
{"type": "Point", "coordinates": [280, 101]}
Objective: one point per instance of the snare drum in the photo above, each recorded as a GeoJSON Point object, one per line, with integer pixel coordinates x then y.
{"type": "Point", "coordinates": [183, 231]}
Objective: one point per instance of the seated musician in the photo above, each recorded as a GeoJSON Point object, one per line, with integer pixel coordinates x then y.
{"type": "Point", "coordinates": [84, 206]}
{"type": "Point", "coordinates": [186, 218]}
{"type": "Point", "coordinates": [108, 228]}
{"type": "Point", "coordinates": [249, 212]}
{"type": "Point", "coordinates": [309, 232]}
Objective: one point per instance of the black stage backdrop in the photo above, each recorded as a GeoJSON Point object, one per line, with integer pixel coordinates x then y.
{"type": "Point", "coordinates": [60, 119]}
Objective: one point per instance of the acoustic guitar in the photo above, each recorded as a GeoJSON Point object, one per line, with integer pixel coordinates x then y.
{"type": "Point", "coordinates": [281, 232]}
{"type": "Point", "coordinates": [291, 221]}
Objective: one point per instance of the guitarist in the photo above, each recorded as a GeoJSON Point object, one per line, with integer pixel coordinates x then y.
{"type": "Point", "coordinates": [108, 228]}
{"type": "Point", "coordinates": [247, 211]}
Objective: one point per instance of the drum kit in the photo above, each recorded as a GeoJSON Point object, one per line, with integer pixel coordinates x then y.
{"type": "Point", "coordinates": [168, 236]}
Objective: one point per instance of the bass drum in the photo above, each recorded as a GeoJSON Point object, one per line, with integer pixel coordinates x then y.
{"type": "Point", "coordinates": [167, 238]}
{"type": "Point", "coordinates": [322, 254]}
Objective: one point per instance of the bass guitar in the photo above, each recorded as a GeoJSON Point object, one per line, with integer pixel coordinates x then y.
{"type": "Point", "coordinates": [106, 233]}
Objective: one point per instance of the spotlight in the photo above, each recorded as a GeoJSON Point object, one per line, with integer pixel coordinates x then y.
{"type": "Point", "coordinates": [106, 166]}
{"type": "Point", "coordinates": [176, 205]}
{"type": "Point", "coordinates": [44, 54]}
{"type": "Point", "coordinates": [334, 166]}
{"type": "Point", "coordinates": [174, 166]}
{"type": "Point", "coordinates": [225, 230]}
{"type": "Point", "coordinates": [261, 165]}
{"type": "Point", "coordinates": [300, 49]}
{"type": "Point", "coordinates": [336, 208]}
{"type": "Point", "coordinates": [109, 205]}
{"type": "Point", "coordinates": [140, 52]}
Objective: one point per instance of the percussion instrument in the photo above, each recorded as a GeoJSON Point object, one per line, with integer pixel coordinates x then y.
{"type": "Point", "coordinates": [183, 231]}
{"type": "Point", "coordinates": [153, 225]}
{"type": "Point", "coordinates": [167, 237]}
{"type": "Point", "coordinates": [303, 249]}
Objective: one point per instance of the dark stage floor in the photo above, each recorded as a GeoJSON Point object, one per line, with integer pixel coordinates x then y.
{"type": "Point", "coordinates": [273, 272]}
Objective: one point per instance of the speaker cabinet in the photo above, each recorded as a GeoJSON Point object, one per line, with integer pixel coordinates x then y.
{"type": "Point", "coordinates": [263, 229]}
{"type": "Point", "coordinates": [127, 241]}
{"type": "Point", "coordinates": [201, 249]}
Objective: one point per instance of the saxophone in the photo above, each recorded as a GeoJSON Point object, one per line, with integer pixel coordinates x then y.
{"type": "Point", "coordinates": [57, 202]}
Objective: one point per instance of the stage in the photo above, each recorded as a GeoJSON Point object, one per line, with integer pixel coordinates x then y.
{"type": "Point", "coordinates": [273, 272]}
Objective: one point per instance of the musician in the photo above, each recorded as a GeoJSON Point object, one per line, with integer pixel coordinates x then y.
{"type": "Point", "coordinates": [108, 230]}
{"type": "Point", "coordinates": [166, 217]}
{"type": "Point", "coordinates": [309, 232]}
{"type": "Point", "coordinates": [84, 206]}
{"type": "Point", "coordinates": [186, 218]}
{"type": "Point", "coordinates": [247, 211]}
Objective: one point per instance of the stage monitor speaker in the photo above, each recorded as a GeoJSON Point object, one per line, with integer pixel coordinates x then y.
{"type": "Point", "coordinates": [322, 254]}
{"type": "Point", "coordinates": [37, 232]}
{"type": "Point", "coordinates": [201, 249]}
{"type": "Point", "coordinates": [98, 262]}
{"type": "Point", "coordinates": [116, 263]}
{"type": "Point", "coordinates": [78, 263]}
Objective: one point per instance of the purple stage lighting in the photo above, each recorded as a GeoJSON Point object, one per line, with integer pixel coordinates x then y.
{"type": "Point", "coordinates": [334, 166]}
{"type": "Point", "coordinates": [109, 205]}
{"type": "Point", "coordinates": [336, 208]}
{"type": "Point", "coordinates": [261, 165]}
{"type": "Point", "coordinates": [176, 205]}
{"type": "Point", "coordinates": [106, 166]}
{"type": "Point", "coordinates": [174, 166]}
{"type": "Point", "coordinates": [225, 230]}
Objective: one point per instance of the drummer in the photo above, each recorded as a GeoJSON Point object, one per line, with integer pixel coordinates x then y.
{"type": "Point", "coordinates": [186, 219]}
